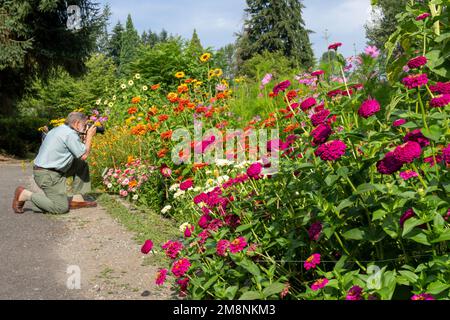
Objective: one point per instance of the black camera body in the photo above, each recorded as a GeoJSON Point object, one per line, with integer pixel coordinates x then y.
{"type": "Point", "coordinates": [100, 129]}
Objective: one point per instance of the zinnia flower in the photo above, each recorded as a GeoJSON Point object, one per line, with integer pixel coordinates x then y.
{"type": "Point", "coordinates": [187, 184]}
{"type": "Point", "coordinates": [222, 247]}
{"type": "Point", "coordinates": [441, 87]}
{"type": "Point", "coordinates": [180, 267]}
{"type": "Point", "coordinates": [205, 57]}
{"type": "Point", "coordinates": [320, 117]}
{"type": "Point", "coordinates": [354, 293]}
{"type": "Point", "coordinates": [319, 284]}
{"type": "Point", "coordinates": [417, 136]}
{"type": "Point", "coordinates": [254, 170]}
{"type": "Point", "coordinates": [179, 75]}
{"type": "Point", "coordinates": [315, 230]}
{"type": "Point", "coordinates": [312, 261]}
{"type": "Point", "coordinates": [172, 248]}
{"type": "Point", "coordinates": [317, 73]}
{"type": "Point", "coordinates": [369, 108]}
{"type": "Point", "coordinates": [406, 215]}
{"type": "Point", "coordinates": [408, 174]}
{"type": "Point", "coordinates": [415, 81]}
{"type": "Point", "coordinates": [238, 244]}
{"type": "Point", "coordinates": [440, 101]}
{"type": "Point", "coordinates": [281, 86]}
{"type": "Point", "coordinates": [267, 78]}
{"type": "Point", "coordinates": [446, 154]}
{"type": "Point", "coordinates": [331, 151]}
{"type": "Point", "coordinates": [334, 46]}
{"type": "Point", "coordinates": [161, 276]}
{"type": "Point", "coordinates": [422, 296]}
{"type": "Point", "coordinates": [321, 133]}
{"type": "Point", "coordinates": [422, 16]}
{"type": "Point", "coordinates": [389, 164]}
{"type": "Point", "coordinates": [417, 62]}
{"type": "Point", "coordinates": [407, 152]}
{"type": "Point", "coordinates": [147, 247]}
{"type": "Point", "coordinates": [308, 103]}
{"type": "Point", "coordinates": [204, 221]}
{"type": "Point", "coordinates": [398, 122]}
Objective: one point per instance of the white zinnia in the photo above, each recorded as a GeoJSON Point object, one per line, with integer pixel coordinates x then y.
{"type": "Point", "coordinates": [166, 208]}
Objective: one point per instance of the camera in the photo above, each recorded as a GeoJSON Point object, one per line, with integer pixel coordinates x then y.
{"type": "Point", "coordinates": [100, 129]}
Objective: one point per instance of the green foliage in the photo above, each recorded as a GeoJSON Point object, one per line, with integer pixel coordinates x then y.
{"type": "Point", "coordinates": [276, 26]}
{"type": "Point", "coordinates": [129, 44]}
{"type": "Point", "coordinates": [266, 62]}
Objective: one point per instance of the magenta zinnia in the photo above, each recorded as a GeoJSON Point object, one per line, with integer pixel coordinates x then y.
{"type": "Point", "coordinates": [406, 215]}
{"type": "Point", "coordinates": [319, 284]}
{"type": "Point", "coordinates": [417, 62]}
{"type": "Point", "coordinates": [320, 117]}
{"type": "Point", "coordinates": [440, 101]}
{"type": "Point", "coordinates": [408, 152]}
{"type": "Point", "coordinates": [254, 170]}
{"type": "Point", "coordinates": [334, 46]}
{"type": "Point", "coordinates": [180, 267]}
{"type": "Point", "coordinates": [408, 174]}
{"type": "Point", "coordinates": [369, 108]}
{"type": "Point", "coordinates": [238, 244]}
{"type": "Point", "coordinates": [422, 296]}
{"type": "Point", "coordinates": [172, 248]}
{"type": "Point", "coordinates": [321, 133]}
{"type": "Point", "coordinates": [355, 293]}
{"type": "Point", "coordinates": [417, 136]}
{"type": "Point", "coordinates": [308, 103]}
{"type": "Point", "coordinates": [398, 122]}
{"type": "Point", "coordinates": [317, 73]}
{"type": "Point", "coordinates": [185, 185]}
{"type": "Point", "coordinates": [422, 16]}
{"type": "Point", "coordinates": [222, 247]}
{"type": "Point", "coordinates": [315, 230]}
{"type": "Point", "coordinates": [312, 261]}
{"type": "Point", "coordinates": [281, 86]}
{"type": "Point", "coordinates": [415, 81]}
{"type": "Point", "coordinates": [389, 164]}
{"type": "Point", "coordinates": [161, 276]}
{"type": "Point", "coordinates": [331, 151]}
{"type": "Point", "coordinates": [147, 247]}
{"type": "Point", "coordinates": [441, 87]}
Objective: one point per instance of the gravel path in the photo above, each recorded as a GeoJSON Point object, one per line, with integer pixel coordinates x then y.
{"type": "Point", "coordinates": [41, 253]}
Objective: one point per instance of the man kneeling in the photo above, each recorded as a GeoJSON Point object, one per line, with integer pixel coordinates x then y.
{"type": "Point", "coordinates": [61, 155]}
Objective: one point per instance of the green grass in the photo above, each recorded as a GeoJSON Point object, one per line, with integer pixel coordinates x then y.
{"type": "Point", "coordinates": [145, 224]}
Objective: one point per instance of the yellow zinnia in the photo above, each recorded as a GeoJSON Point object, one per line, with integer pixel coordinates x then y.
{"type": "Point", "coordinates": [179, 75]}
{"type": "Point", "coordinates": [205, 57]}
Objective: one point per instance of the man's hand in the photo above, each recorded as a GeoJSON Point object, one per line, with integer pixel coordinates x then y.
{"type": "Point", "coordinates": [89, 134]}
{"type": "Point", "coordinates": [91, 131]}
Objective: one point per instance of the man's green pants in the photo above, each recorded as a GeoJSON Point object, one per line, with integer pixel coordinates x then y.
{"type": "Point", "coordinates": [55, 198]}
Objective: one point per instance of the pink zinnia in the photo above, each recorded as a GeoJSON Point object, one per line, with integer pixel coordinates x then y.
{"type": "Point", "coordinates": [147, 247]}
{"type": "Point", "coordinates": [281, 86]}
{"type": "Point", "coordinates": [334, 46]}
{"type": "Point", "coordinates": [372, 51]}
{"type": "Point", "coordinates": [398, 122]}
{"type": "Point", "coordinates": [312, 261]}
{"type": "Point", "coordinates": [406, 215]}
{"type": "Point", "coordinates": [204, 220]}
{"type": "Point", "coordinates": [320, 117]}
{"type": "Point", "coordinates": [161, 276]}
{"type": "Point", "coordinates": [319, 284]}
{"type": "Point", "coordinates": [389, 164]}
{"type": "Point", "coordinates": [180, 267]}
{"type": "Point", "coordinates": [187, 184]}
{"type": "Point", "coordinates": [415, 81]}
{"type": "Point", "coordinates": [440, 101]}
{"type": "Point", "coordinates": [417, 62]}
{"type": "Point", "coordinates": [317, 73]}
{"type": "Point", "coordinates": [166, 171]}
{"type": "Point", "coordinates": [355, 293]}
{"type": "Point", "coordinates": [422, 296]}
{"type": "Point", "coordinates": [308, 103]}
{"type": "Point", "coordinates": [331, 151]}
{"type": "Point", "coordinates": [172, 248]}
{"type": "Point", "coordinates": [441, 87]}
{"type": "Point", "coordinates": [408, 174]}
{"type": "Point", "coordinates": [422, 16]}
{"type": "Point", "coordinates": [267, 78]}
{"type": "Point", "coordinates": [446, 154]}
{"type": "Point", "coordinates": [430, 160]}
{"type": "Point", "coordinates": [222, 247]}
{"type": "Point", "coordinates": [315, 230]}
{"type": "Point", "coordinates": [408, 152]}
{"type": "Point", "coordinates": [238, 244]}
{"type": "Point", "coordinates": [321, 133]}
{"type": "Point", "coordinates": [369, 108]}
{"type": "Point", "coordinates": [417, 136]}
{"type": "Point", "coordinates": [254, 170]}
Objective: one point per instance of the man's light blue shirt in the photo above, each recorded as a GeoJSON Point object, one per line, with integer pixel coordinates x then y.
{"type": "Point", "coordinates": [61, 145]}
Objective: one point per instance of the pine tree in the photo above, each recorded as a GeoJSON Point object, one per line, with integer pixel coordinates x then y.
{"type": "Point", "coordinates": [129, 45]}
{"type": "Point", "coordinates": [384, 23]}
{"type": "Point", "coordinates": [275, 25]}
{"type": "Point", "coordinates": [115, 43]}
{"type": "Point", "coordinates": [103, 37]}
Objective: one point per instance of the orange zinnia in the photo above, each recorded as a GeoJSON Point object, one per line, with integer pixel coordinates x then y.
{"type": "Point", "coordinates": [172, 97]}
{"type": "Point", "coordinates": [155, 86]}
{"type": "Point", "coordinates": [291, 127]}
{"type": "Point", "coordinates": [182, 88]}
{"type": "Point", "coordinates": [162, 153]}
{"type": "Point", "coordinates": [166, 135]}
{"type": "Point", "coordinates": [135, 100]}
{"type": "Point", "coordinates": [132, 110]}
{"type": "Point", "coordinates": [163, 117]}
{"type": "Point", "coordinates": [152, 127]}
{"type": "Point", "coordinates": [139, 130]}
{"type": "Point", "coordinates": [152, 111]}
{"type": "Point", "coordinates": [132, 184]}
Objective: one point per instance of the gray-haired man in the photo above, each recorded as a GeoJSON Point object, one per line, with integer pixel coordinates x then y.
{"type": "Point", "coordinates": [61, 155]}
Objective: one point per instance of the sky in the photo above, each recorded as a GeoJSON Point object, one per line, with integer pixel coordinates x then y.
{"type": "Point", "coordinates": [217, 21]}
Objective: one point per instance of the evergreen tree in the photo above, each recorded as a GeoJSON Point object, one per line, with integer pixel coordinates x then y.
{"type": "Point", "coordinates": [195, 42]}
{"type": "Point", "coordinates": [275, 25]}
{"type": "Point", "coordinates": [103, 37]}
{"type": "Point", "coordinates": [115, 43]}
{"type": "Point", "coordinates": [163, 36]}
{"type": "Point", "coordinates": [130, 41]}
{"type": "Point", "coordinates": [35, 40]}
{"type": "Point", "coordinates": [383, 22]}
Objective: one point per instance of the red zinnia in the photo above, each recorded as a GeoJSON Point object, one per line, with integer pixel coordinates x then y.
{"type": "Point", "coordinates": [308, 103]}
{"type": "Point", "coordinates": [369, 108]}
{"type": "Point", "coordinates": [334, 46]}
{"type": "Point", "coordinates": [440, 101]}
{"type": "Point", "coordinates": [180, 267]}
{"type": "Point", "coordinates": [417, 62]}
{"type": "Point", "coordinates": [407, 152]}
{"type": "Point", "coordinates": [161, 276]}
{"type": "Point", "coordinates": [331, 151]}
{"type": "Point", "coordinates": [389, 164]}
{"type": "Point", "coordinates": [321, 133]}
{"type": "Point", "coordinates": [147, 247]}
{"type": "Point", "coordinates": [415, 81]}
{"type": "Point", "coordinates": [238, 244]}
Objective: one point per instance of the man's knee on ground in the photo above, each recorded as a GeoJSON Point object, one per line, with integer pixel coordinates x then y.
{"type": "Point", "coordinates": [60, 208]}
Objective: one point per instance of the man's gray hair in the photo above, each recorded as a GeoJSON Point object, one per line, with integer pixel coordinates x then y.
{"type": "Point", "coordinates": [75, 116]}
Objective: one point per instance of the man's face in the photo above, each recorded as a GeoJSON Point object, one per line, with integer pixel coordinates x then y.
{"type": "Point", "coordinates": [80, 126]}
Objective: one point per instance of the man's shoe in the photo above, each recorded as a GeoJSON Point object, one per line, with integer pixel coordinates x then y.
{"type": "Point", "coordinates": [17, 205]}
{"type": "Point", "coordinates": [83, 204]}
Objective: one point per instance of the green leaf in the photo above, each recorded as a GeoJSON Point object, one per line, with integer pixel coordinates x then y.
{"type": "Point", "coordinates": [210, 282]}
{"type": "Point", "coordinates": [250, 266]}
{"type": "Point", "coordinates": [410, 224]}
{"type": "Point", "coordinates": [344, 204]}
{"type": "Point", "coordinates": [354, 234]}
{"type": "Point", "coordinates": [434, 133]}
{"type": "Point", "coordinates": [244, 227]}
{"type": "Point", "coordinates": [331, 179]}
{"type": "Point", "coordinates": [365, 187]}
{"type": "Point", "coordinates": [410, 276]}
{"type": "Point", "coordinates": [378, 215]}
{"type": "Point", "coordinates": [274, 288]}
{"type": "Point", "coordinates": [251, 295]}
{"type": "Point", "coordinates": [442, 37]}
{"type": "Point", "coordinates": [444, 236]}
{"type": "Point", "coordinates": [437, 287]}
{"type": "Point", "coordinates": [419, 237]}
{"type": "Point", "coordinates": [230, 292]}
